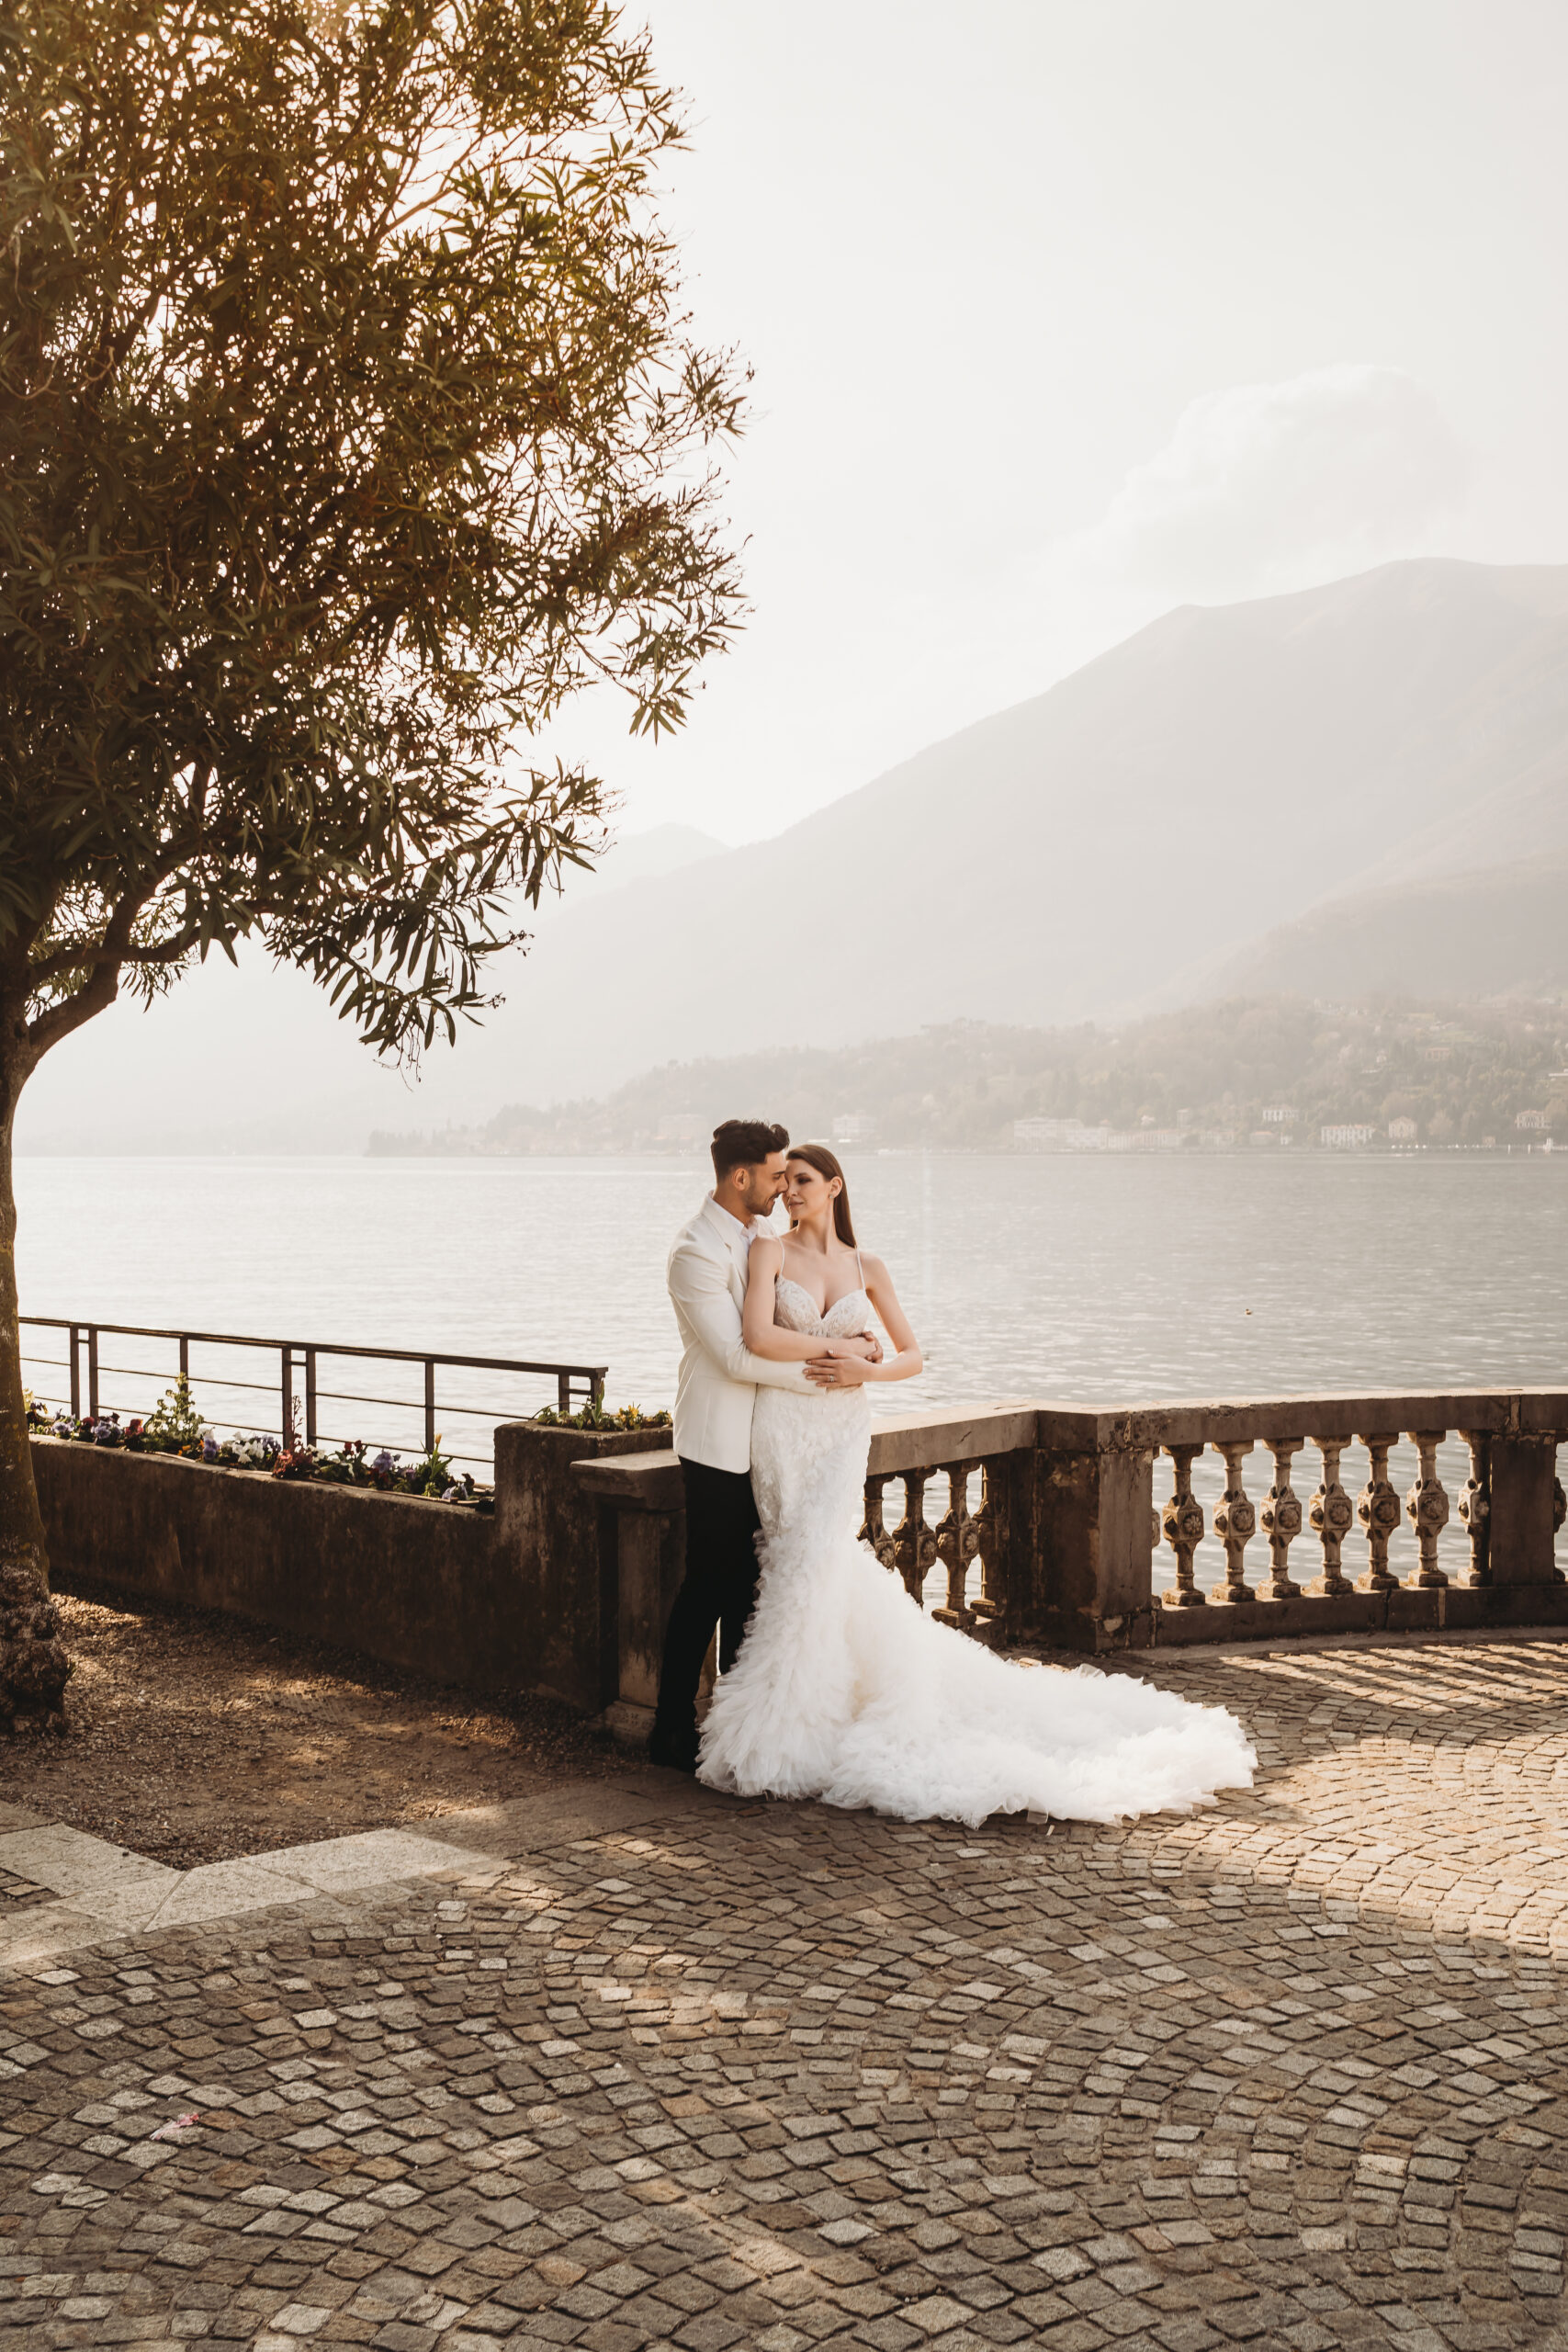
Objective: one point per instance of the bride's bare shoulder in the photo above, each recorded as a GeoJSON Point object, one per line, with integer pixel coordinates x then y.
{"type": "Point", "coordinates": [767, 1253]}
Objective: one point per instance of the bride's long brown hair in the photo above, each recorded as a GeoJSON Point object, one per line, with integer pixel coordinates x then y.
{"type": "Point", "coordinates": [818, 1155]}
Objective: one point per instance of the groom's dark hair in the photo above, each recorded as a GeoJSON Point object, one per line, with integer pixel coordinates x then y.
{"type": "Point", "coordinates": [744, 1143]}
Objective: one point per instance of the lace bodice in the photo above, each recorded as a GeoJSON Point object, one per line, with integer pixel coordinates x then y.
{"type": "Point", "coordinates": [796, 1309]}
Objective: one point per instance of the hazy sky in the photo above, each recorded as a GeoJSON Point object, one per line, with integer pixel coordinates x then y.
{"type": "Point", "coordinates": [1064, 312]}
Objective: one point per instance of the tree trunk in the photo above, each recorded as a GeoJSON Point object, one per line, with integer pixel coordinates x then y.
{"type": "Point", "coordinates": [33, 1663]}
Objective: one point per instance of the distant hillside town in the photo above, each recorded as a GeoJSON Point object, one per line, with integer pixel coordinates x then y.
{"type": "Point", "coordinates": [1278, 1073]}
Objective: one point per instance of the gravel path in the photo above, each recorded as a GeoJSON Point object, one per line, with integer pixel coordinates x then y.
{"type": "Point", "coordinates": [195, 1737]}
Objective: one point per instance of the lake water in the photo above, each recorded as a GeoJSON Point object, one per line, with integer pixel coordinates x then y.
{"type": "Point", "coordinates": [1106, 1280]}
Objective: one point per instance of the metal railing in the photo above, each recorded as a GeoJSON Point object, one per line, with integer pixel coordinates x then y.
{"type": "Point", "coordinates": [297, 1384]}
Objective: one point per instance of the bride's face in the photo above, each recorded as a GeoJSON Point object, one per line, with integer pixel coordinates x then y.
{"type": "Point", "coordinates": [807, 1194]}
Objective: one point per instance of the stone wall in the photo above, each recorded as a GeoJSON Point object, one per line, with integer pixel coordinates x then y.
{"type": "Point", "coordinates": [522, 1600]}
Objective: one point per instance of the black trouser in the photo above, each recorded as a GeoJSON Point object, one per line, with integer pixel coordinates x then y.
{"type": "Point", "coordinates": [719, 1588]}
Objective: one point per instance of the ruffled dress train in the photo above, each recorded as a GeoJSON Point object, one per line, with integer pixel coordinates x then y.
{"type": "Point", "coordinates": [847, 1691]}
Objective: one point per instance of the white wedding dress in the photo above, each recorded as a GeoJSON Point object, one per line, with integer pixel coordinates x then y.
{"type": "Point", "coordinates": [846, 1691]}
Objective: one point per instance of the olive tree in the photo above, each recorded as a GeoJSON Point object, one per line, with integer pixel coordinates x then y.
{"type": "Point", "coordinates": [349, 425]}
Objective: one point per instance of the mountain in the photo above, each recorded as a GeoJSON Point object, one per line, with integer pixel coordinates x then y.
{"type": "Point", "coordinates": [1190, 800]}
{"type": "Point", "coordinates": [1093, 851]}
{"type": "Point", "coordinates": [1487, 931]}
{"type": "Point", "coordinates": [1228, 1075]}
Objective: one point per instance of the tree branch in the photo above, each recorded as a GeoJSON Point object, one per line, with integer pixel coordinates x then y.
{"type": "Point", "coordinates": [97, 995]}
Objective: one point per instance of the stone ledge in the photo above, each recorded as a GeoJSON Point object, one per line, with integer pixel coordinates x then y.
{"type": "Point", "coordinates": [1486, 1609]}
{"type": "Point", "coordinates": [1069, 1427]}
{"type": "Point", "coordinates": [906, 1442]}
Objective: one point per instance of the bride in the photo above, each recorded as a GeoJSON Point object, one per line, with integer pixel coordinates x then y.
{"type": "Point", "coordinates": [845, 1688]}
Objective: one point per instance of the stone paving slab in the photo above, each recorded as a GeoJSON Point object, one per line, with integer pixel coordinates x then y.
{"type": "Point", "coordinates": [1292, 2071]}
{"type": "Point", "coordinates": [111, 1893]}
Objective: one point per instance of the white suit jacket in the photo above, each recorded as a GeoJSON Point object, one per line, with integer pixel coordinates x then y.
{"type": "Point", "coordinates": [719, 1377]}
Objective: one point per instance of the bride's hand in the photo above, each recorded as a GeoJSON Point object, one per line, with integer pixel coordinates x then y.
{"type": "Point", "coordinates": [861, 1347]}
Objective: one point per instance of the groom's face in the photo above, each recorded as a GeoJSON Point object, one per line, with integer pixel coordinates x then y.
{"type": "Point", "coordinates": [765, 1181]}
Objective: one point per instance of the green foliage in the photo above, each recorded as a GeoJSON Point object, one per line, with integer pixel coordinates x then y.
{"type": "Point", "coordinates": [174, 1423]}
{"type": "Point", "coordinates": [347, 427]}
{"type": "Point", "coordinates": [592, 1416]}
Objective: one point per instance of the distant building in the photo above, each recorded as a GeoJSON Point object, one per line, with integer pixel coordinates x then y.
{"type": "Point", "coordinates": [1263, 1134]}
{"type": "Point", "coordinates": [1045, 1134]}
{"type": "Point", "coordinates": [1280, 1115]}
{"type": "Point", "coordinates": [1532, 1119]}
{"type": "Point", "coordinates": [1071, 1135]}
{"type": "Point", "coordinates": [683, 1126]}
{"type": "Point", "coordinates": [1437, 1053]}
{"type": "Point", "coordinates": [1345, 1138]}
{"type": "Point", "coordinates": [1402, 1131]}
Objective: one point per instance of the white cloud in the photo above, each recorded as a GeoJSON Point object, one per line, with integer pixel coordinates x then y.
{"type": "Point", "coordinates": [1260, 488]}
{"type": "Point", "coordinates": [1264, 487]}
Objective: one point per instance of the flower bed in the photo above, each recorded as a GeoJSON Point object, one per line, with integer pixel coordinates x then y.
{"type": "Point", "coordinates": [176, 1427]}
{"type": "Point", "coordinates": [592, 1416]}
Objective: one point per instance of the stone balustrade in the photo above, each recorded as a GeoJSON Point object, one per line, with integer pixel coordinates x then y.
{"type": "Point", "coordinates": [1039, 1526]}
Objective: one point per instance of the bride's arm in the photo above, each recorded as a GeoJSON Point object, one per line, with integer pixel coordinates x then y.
{"type": "Point", "coordinates": [768, 1338]}
{"type": "Point", "coordinates": [908, 1360]}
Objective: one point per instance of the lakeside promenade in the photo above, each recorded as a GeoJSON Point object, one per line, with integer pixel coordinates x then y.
{"type": "Point", "coordinates": [624, 2064]}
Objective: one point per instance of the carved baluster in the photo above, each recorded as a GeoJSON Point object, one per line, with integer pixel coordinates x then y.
{"type": "Point", "coordinates": [1426, 1506]}
{"type": "Point", "coordinates": [1377, 1508]}
{"type": "Point", "coordinates": [989, 1604]}
{"type": "Point", "coordinates": [914, 1544]}
{"type": "Point", "coordinates": [957, 1546]}
{"type": "Point", "coordinates": [874, 1531]}
{"type": "Point", "coordinates": [1331, 1515]}
{"type": "Point", "coordinates": [1182, 1523]}
{"type": "Point", "coordinates": [1235, 1522]}
{"type": "Point", "coordinates": [1475, 1506]}
{"type": "Point", "coordinates": [1280, 1519]}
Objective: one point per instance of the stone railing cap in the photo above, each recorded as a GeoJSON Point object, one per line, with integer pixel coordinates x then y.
{"type": "Point", "coordinates": [639, 1481]}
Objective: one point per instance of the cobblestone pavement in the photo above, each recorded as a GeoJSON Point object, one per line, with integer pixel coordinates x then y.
{"type": "Point", "coordinates": [669, 2071]}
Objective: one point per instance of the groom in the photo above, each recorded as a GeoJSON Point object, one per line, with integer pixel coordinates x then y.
{"type": "Point", "coordinates": [714, 1396]}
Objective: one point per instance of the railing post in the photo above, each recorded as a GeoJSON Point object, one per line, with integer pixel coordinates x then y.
{"type": "Point", "coordinates": [1181, 1523]}
{"type": "Point", "coordinates": [1426, 1507]}
{"type": "Point", "coordinates": [957, 1546]}
{"type": "Point", "coordinates": [563, 1393]}
{"type": "Point", "coordinates": [310, 1396]}
{"type": "Point", "coordinates": [1236, 1521]}
{"type": "Point", "coordinates": [185, 1355]}
{"type": "Point", "coordinates": [1331, 1515]}
{"type": "Point", "coordinates": [288, 1394]}
{"type": "Point", "coordinates": [873, 1527]}
{"type": "Point", "coordinates": [430, 1404]}
{"type": "Point", "coordinates": [76, 1372]}
{"type": "Point", "coordinates": [1475, 1506]}
{"type": "Point", "coordinates": [1377, 1508]}
{"type": "Point", "coordinates": [1521, 1548]}
{"type": "Point", "coordinates": [92, 1372]}
{"type": "Point", "coordinates": [1091, 1574]}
